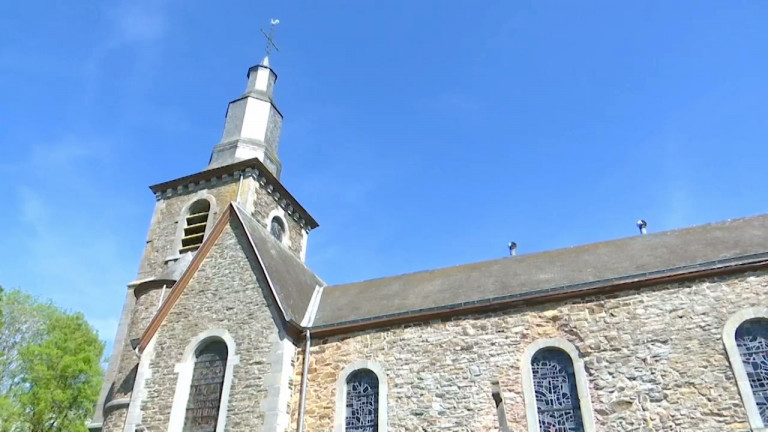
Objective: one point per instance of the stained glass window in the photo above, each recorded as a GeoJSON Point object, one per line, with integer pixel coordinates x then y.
{"type": "Point", "coordinates": [277, 228]}
{"type": "Point", "coordinates": [205, 391]}
{"type": "Point", "coordinates": [557, 399]}
{"type": "Point", "coordinates": [752, 341]}
{"type": "Point", "coordinates": [362, 402]}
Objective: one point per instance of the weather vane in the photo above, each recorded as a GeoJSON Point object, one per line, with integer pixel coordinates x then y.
{"type": "Point", "coordinates": [270, 36]}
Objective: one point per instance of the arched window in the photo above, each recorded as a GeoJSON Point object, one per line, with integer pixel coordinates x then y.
{"type": "Point", "coordinates": [746, 341]}
{"type": "Point", "coordinates": [752, 341]}
{"type": "Point", "coordinates": [557, 399]}
{"type": "Point", "coordinates": [277, 228]}
{"type": "Point", "coordinates": [362, 402]}
{"type": "Point", "coordinates": [194, 226]}
{"type": "Point", "coordinates": [556, 389]}
{"type": "Point", "coordinates": [361, 398]}
{"type": "Point", "coordinates": [205, 390]}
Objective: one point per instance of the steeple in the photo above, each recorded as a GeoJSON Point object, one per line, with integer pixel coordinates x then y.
{"type": "Point", "coordinates": [252, 127]}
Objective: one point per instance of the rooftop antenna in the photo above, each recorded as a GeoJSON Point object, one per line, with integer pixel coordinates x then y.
{"type": "Point", "coordinates": [270, 36]}
{"type": "Point", "coordinates": [512, 248]}
{"type": "Point", "coordinates": [641, 224]}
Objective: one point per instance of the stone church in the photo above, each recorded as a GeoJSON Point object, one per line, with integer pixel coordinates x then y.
{"type": "Point", "coordinates": [226, 329]}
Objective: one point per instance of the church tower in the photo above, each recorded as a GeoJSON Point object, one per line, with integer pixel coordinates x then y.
{"type": "Point", "coordinates": [244, 168]}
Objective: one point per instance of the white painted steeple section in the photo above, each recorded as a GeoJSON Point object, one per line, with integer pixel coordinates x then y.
{"type": "Point", "coordinates": [252, 128]}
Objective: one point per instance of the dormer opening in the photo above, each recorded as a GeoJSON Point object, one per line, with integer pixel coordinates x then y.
{"type": "Point", "coordinates": [277, 228]}
{"type": "Point", "coordinates": [194, 226]}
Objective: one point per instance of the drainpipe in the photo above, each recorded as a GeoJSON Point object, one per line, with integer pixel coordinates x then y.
{"type": "Point", "coordinates": [304, 377]}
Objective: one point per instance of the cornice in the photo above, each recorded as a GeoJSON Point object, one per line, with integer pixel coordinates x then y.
{"type": "Point", "coordinates": [253, 168]}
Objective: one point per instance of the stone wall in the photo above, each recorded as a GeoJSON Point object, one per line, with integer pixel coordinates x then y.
{"type": "Point", "coordinates": [163, 230]}
{"type": "Point", "coordinates": [260, 204]}
{"type": "Point", "coordinates": [121, 388]}
{"type": "Point", "coordinates": [654, 357]}
{"type": "Point", "coordinates": [227, 292]}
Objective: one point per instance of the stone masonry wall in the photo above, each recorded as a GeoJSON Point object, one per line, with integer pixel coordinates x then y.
{"type": "Point", "coordinates": [261, 204]}
{"type": "Point", "coordinates": [122, 387]}
{"type": "Point", "coordinates": [227, 292]}
{"type": "Point", "coordinates": [167, 217]}
{"type": "Point", "coordinates": [654, 357]}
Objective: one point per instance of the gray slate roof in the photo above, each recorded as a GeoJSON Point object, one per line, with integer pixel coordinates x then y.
{"type": "Point", "coordinates": [563, 270]}
{"type": "Point", "coordinates": [291, 280]}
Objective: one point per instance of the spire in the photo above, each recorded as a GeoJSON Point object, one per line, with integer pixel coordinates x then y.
{"type": "Point", "coordinates": [253, 123]}
{"type": "Point", "coordinates": [252, 126]}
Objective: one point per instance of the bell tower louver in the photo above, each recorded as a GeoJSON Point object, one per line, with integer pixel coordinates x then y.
{"type": "Point", "coordinates": [253, 123]}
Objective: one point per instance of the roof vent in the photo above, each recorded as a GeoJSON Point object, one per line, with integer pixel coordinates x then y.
{"type": "Point", "coordinates": [512, 248]}
{"type": "Point", "coordinates": [641, 224]}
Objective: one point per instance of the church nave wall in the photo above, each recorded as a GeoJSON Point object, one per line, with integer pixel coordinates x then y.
{"type": "Point", "coordinates": [654, 360]}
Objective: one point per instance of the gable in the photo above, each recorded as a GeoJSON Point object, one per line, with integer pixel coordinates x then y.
{"type": "Point", "coordinates": [288, 282]}
{"type": "Point", "coordinates": [227, 285]}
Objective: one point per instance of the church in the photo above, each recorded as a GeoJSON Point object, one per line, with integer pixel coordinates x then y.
{"type": "Point", "coordinates": [226, 329]}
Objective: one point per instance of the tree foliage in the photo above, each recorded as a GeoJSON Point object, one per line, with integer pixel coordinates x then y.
{"type": "Point", "coordinates": [49, 366]}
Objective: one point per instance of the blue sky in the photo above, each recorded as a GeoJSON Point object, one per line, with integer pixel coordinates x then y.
{"type": "Point", "coordinates": [419, 134]}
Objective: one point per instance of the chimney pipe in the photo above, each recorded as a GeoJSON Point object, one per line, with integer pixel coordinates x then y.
{"type": "Point", "coordinates": [641, 224]}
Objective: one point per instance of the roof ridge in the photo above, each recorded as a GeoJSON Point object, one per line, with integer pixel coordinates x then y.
{"type": "Point", "coordinates": [645, 237]}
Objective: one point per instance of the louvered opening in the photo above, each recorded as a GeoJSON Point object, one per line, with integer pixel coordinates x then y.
{"type": "Point", "coordinates": [194, 226]}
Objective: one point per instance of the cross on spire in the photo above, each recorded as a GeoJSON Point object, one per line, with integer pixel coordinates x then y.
{"type": "Point", "coordinates": [270, 36]}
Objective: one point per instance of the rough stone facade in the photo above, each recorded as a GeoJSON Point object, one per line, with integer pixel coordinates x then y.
{"type": "Point", "coordinates": [163, 230]}
{"type": "Point", "coordinates": [654, 358]}
{"type": "Point", "coordinates": [161, 251]}
{"type": "Point", "coordinates": [227, 292]}
{"type": "Point", "coordinates": [260, 204]}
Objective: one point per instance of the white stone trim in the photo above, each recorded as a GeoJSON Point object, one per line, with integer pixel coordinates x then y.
{"type": "Point", "coordinates": [279, 213]}
{"type": "Point", "coordinates": [314, 304]}
{"type": "Point", "coordinates": [582, 384]}
{"type": "Point", "coordinates": [181, 221]}
{"type": "Point", "coordinates": [185, 369]}
{"type": "Point", "coordinates": [304, 239]}
{"type": "Point", "coordinates": [277, 382]}
{"type": "Point", "coordinates": [737, 365]}
{"type": "Point", "coordinates": [341, 393]}
{"type": "Point", "coordinates": [143, 373]}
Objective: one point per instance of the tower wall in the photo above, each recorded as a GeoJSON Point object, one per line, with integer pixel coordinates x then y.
{"type": "Point", "coordinates": [244, 168]}
{"type": "Point", "coordinates": [167, 220]}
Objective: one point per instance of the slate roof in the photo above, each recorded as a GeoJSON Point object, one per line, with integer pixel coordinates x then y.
{"type": "Point", "coordinates": [685, 251]}
{"type": "Point", "coordinates": [649, 259]}
{"type": "Point", "coordinates": [293, 283]}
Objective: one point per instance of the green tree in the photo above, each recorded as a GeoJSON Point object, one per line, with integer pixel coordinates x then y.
{"type": "Point", "coordinates": [49, 367]}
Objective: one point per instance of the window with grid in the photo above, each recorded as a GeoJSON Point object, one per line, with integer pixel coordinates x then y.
{"type": "Point", "coordinates": [752, 342]}
{"type": "Point", "coordinates": [362, 402]}
{"type": "Point", "coordinates": [205, 391]}
{"type": "Point", "coordinates": [557, 398]}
